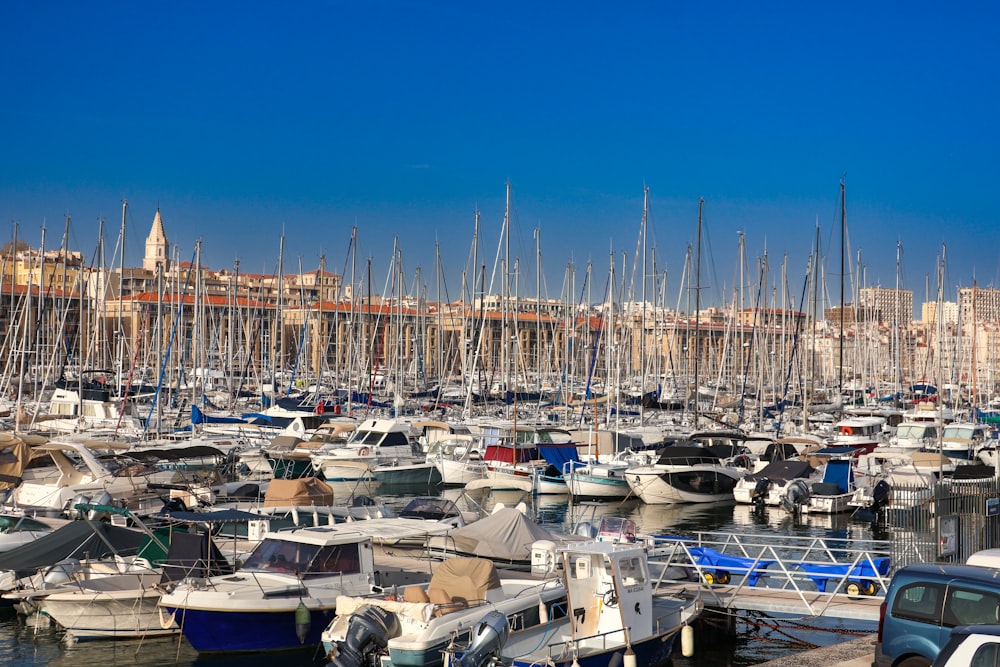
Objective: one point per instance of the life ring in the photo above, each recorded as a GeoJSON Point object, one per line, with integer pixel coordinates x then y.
{"type": "Point", "coordinates": [846, 430]}
{"type": "Point", "coordinates": [363, 451]}
{"type": "Point", "coordinates": [320, 408]}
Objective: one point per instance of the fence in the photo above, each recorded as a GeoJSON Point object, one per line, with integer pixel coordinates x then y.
{"type": "Point", "coordinates": [946, 523]}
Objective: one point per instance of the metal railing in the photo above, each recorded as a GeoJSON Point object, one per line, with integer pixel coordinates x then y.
{"type": "Point", "coordinates": [818, 571]}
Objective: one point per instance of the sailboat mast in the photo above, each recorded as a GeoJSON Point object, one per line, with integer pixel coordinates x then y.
{"type": "Point", "coordinates": [843, 253]}
{"type": "Point", "coordinates": [697, 309]}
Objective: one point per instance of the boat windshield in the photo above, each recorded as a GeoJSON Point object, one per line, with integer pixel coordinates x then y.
{"type": "Point", "coordinates": [916, 431]}
{"type": "Point", "coordinates": [304, 559]}
{"type": "Point", "coordinates": [960, 433]}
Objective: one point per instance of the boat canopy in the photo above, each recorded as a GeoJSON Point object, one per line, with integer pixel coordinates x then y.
{"type": "Point", "coordinates": [430, 508]}
{"type": "Point", "coordinates": [782, 470]}
{"type": "Point", "coordinates": [79, 539]}
{"type": "Point", "coordinates": [193, 555]}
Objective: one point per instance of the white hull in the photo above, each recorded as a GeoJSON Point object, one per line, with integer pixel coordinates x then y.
{"type": "Point", "coordinates": [664, 485]}
{"type": "Point", "coordinates": [92, 614]}
{"type": "Point", "coordinates": [459, 473]}
{"type": "Point", "coordinates": [829, 504]}
{"type": "Point", "coordinates": [589, 485]}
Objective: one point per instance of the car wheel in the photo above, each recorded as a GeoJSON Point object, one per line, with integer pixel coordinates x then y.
{"type": "Point", "coordinates": [915, 661]}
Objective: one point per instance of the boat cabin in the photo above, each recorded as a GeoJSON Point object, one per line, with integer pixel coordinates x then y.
{"type": "Point", "coordinates": [310, 552]}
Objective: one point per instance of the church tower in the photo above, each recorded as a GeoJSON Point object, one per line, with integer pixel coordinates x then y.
{"type": "Point", "coordinates": [157, 246]}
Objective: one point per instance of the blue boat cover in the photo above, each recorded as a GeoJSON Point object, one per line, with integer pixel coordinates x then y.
{"type": "Point", "coordinates": [841, 473]}
{"type": "Point", "coordinates": [199, 417]}
{"type": "Point", "coordinates": [560, 454]}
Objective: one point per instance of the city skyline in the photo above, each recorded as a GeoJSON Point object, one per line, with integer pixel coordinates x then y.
{"type": "Point", "coordinates": [405, 118]}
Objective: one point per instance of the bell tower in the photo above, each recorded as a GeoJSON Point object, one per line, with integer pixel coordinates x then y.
{"type": "Point", "coordinates": [157, 246]}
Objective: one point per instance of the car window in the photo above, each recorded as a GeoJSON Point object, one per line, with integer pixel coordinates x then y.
{"type": "Point", "coordinates": [969, 607]}
{"type": "Point", "coordinates": [986, 656]}
{"type": "Point", "coordinates": [919, 602]}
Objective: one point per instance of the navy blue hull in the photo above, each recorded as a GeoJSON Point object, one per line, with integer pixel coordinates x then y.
{"type": "Point", "coordinates": [237, 632]}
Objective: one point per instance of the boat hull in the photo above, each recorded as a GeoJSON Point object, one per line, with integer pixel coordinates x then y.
{"type": "Point", "coordinates": [594, 486]}
{"type": "Point", "coordinates": [211, 631]}
{"type": "Point", "coordinates": [109, 615]}
{"type": "Point", "coordinates": [657, 485]}
{"type": "Point", "coordinates": [652, 651]}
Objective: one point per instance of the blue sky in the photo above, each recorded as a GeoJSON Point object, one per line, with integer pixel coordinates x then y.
{"type": "Point", "coordinates": [246, 120]}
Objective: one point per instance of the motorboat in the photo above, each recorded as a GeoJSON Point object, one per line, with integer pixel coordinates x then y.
{"type": "Point", "coordinates": [506, 537]}
{"type": "Point", "coordinates": [833, 494]}
{"type": "Point", "coordinates": [416, 626]}
{"type": "Point", "coordinates": [78, 475]}
{"type": "Point", "coordinates": [860, 434]}
{"type": "Point", "coordinates": [611, 613]}
{"type": "Point", "coordinates": [684, 474]}
{"type": "Point", "coordinates": [964, 441]}
{"type": "Point", "coordinates": [125, 605]}
{"type": "Point", "coordinates": [380, 449]}
{"type": "Point", "coordinates": [779, 483]}
{"type": "Point", "coordinates": [283, 596]}
{"type": "Point", "coordinates": [459, 459]}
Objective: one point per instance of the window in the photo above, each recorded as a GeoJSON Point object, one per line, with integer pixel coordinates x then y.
{"type": "Point", "coordinates": [986, 656]}
{"type": "Point", "coordinates": [970, 607]}
{"type": "Point", "coordinates": [919, 602]}
{"type": "Point", "coordinates": [632, 570]}
{"type": "Point", "coordinates": [343, 558]}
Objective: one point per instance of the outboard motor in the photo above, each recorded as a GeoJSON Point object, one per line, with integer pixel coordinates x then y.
{"type": "Point", "coordinates": [79, 499]}
{"type": "Point", "coordinates": [760, 489]}
{"type": "Point", "coordinates": [368, 632]}
{"type": "Point", "coordinates": [881, 497]}
{"type": "Point", "coordinates": [796, 495]}
{"type": "Point", "coordinates": [61, 572]}
{"type": "Point", "coordinates": [487, 640]}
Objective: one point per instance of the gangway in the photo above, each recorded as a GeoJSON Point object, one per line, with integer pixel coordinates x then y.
{"type": "Point", "coordinates": [804, 576]}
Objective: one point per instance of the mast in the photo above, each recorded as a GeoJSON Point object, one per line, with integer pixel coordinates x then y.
{"type": "Point", "coordinates": [697, 309]}
{"type": "Point", "coordinates": [843, 253]}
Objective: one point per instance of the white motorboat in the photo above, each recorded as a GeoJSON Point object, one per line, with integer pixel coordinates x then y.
{"type": "Point", "coordinates": [684, 474]}
{"type": "Point", "coordinates": [429, 618]}
{"type": "Point", "coordinates": [282, 598]}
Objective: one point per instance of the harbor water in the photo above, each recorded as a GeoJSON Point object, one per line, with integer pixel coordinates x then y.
{"type": "Point", "coordinates": [30, 642]}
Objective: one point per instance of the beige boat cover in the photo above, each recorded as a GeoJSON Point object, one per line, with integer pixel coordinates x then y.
{"type": "Point", "coordinates": [466, 578]}
{"type": "Point", "coordinates": [301, 492]}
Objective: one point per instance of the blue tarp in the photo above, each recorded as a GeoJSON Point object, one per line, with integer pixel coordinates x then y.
{"type": "Point", "coordinates": [199, 417]}
{"type": "Point", "coordinates": [559, 455]}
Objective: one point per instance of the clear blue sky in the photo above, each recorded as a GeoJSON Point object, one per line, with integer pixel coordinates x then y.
{"type": "Point", "coordinates": [241, 120]}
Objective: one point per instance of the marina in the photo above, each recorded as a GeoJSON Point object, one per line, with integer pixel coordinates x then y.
{"type": "Point", "coordinates": [748, 645]}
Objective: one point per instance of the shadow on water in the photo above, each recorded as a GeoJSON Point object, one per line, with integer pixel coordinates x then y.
{"type": "Point", "coordinates": [34, 641]}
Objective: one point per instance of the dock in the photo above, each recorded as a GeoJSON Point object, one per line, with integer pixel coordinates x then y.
{"type": "Point", "coordinates": [776, 601]}
{"type": "Point", "coordinates": [857, 653]}
{"type": "Point", "coordinates": [805, 577]}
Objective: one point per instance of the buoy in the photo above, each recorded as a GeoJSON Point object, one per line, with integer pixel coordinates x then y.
{"type": "Point", "coordinates": [629, 660]}
{"type": "Point", "coordinates": [687, 641]}
{"type": "Point", "coordinates": [543, 611]}
{"type": "Point", "coordinates": [303, 619]}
